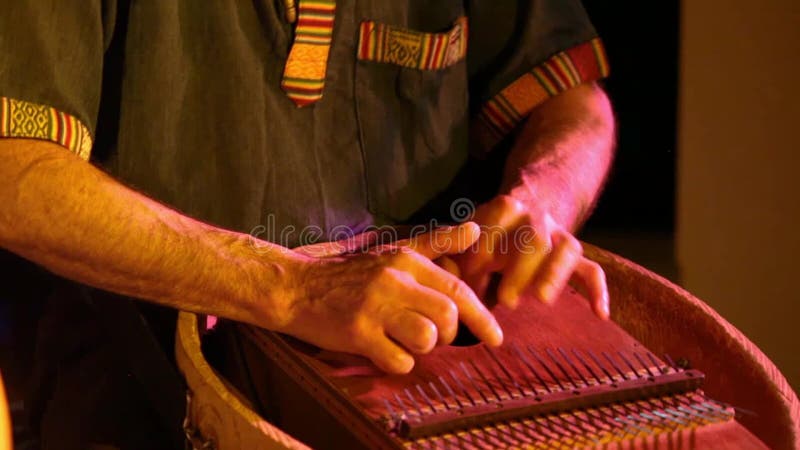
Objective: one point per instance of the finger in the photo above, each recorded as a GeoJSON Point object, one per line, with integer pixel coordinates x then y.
{"type": "Point", "coordinates": [520, 270]}
{"type": "Point", "coordinates": [444, 240]}
{"type": "Point", "coordinates": [489, 251]}
{"type": "Point", "coordinates": [590, 275]}
{"type": "Point", "coordinates": [433, 305]}
{"type": "Point", "coordinates": [471, 310]}
{"type": "Point", "coordinates": [387, 355]}
{"type": "Point", "coordinates": [557, 268]}
{"type": "Point", "coordinates": [447, 263]}
{"type": "Point", "coordinates": [413, 331]}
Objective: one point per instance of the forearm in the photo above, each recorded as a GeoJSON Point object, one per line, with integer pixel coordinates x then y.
{"type": "Point", "coordinates": [76, 221]}
{"type": "Point", "coordinates": [562, 155]}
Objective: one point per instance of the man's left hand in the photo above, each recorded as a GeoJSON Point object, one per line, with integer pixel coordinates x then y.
{"type": "Point", "coordinates": [532, 252]}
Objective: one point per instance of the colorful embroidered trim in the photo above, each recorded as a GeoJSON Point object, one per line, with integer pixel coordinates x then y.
{"type": "Point", "coordinates": [20, 119]}
{"type": "Point", "coordinates": [304, 75]}
{"type": "Point", "coordinates": [427, 51]}
{"type": "Point", "coordinates": [567, 69]}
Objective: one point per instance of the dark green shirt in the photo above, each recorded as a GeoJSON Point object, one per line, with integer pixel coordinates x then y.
{"type": "Point", "coordinates": [182, 100]}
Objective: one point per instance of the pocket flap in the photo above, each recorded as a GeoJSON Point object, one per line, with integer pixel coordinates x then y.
{"type": "Point", "coordinates": [383, 43]}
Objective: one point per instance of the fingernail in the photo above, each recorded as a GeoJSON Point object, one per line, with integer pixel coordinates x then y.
{"type": "Point", "coordinates": [606, 305]}
{"type": "Point", "coordinates": [508, 297]}
{"type": "Point", "coordinates": [403, 363]}
{"type": "Point", "coordinates": [498, 336]}
{"type": "Point", "coordinates": [546, 293]}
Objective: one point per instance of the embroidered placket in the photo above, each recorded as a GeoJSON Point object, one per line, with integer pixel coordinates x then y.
{"type": "Point", "coordinates": [304, 74]}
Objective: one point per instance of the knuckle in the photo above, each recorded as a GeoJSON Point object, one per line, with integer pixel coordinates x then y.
{"type": "Point", "coordinates": [573, 245]}
{"type": "Point", "coordinates": [594, 268]}
{"type": "Point", "coordinates": [426, 337]}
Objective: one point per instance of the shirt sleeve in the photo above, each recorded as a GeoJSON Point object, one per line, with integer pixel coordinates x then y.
{"type": "Point", "coordinates": [51, 64]}
{"type": "Point", "coordinates": [520, 54]}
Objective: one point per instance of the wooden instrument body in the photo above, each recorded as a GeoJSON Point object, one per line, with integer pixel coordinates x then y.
{"type": "Point", "coordinates": [662, 317]}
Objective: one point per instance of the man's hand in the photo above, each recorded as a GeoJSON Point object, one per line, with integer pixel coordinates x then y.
{"type": "Point", "coordinates": [532, 252]}
{"type": "Point", "coordinates": [387, 303]}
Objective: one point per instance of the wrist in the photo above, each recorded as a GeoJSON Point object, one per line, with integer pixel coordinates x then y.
{"type": "Point", "coordinates": [545, 191]}
{"type": "Point", "coordinates": [258, 279]}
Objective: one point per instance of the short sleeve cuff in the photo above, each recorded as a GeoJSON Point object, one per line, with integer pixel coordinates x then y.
{"type": "Point", "coordinates": [21, 119]}
{"type": "Point", "coordinates": [500, 115]}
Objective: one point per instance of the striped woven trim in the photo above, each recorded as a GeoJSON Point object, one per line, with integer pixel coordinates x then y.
{"type": "Point", "coordinates": [501, 114]}
{"type": "Point", "coordinates": [426, 51]}
{"type": "Point", "coordinates": [304, 75]}
{"type": "Point", "coordinates": [21, 119]}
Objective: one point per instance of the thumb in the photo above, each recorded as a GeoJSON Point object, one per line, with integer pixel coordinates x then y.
{"type": "Point", "coordinates": [444, 241]}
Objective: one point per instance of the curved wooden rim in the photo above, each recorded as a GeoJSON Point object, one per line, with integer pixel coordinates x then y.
{"type": "Point", "coordinates": [244, 427]}
{"type": "Point", "coordinates": [707, 324]}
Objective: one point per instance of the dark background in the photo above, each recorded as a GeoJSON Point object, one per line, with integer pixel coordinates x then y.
{"type": "Point", "coordinates": [641, 40]}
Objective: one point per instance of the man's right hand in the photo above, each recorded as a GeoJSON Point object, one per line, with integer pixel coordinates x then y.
{"type": "Point", "coordinates": [387, 303]}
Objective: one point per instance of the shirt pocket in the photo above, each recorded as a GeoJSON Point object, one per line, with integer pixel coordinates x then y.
{"type": "Point", "coordinates": [412, 107]}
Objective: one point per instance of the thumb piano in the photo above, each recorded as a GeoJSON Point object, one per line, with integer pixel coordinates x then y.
{"type": "Point", "coordinates": [562, 379]}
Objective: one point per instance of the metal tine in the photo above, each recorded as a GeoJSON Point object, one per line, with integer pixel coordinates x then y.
{"type": "Point", "coordinates": [505, 371]}
{"type": "Point", "coordinates": [491, 432]}
{"type": "Point", "coordinates": [670, 417]}
{"type": "Point", "coordinates": [601, 366]}
{"type": "Point", "coordinates": [485, 380]}
{"type": "Point", "coordinates": [710, 407]}
{"type": "Point", "coordinates": [736, 409]}
{"type": "Point", "coordinates": [579, 422]}
{"type": "Point", "coordinates": [709, 415]}
{"type": "Point", "coordinates": [510, 438]}
{"type": "Point", "coordinates": [532, 369]}
{"type": "Point", "coordinates": [439, 395]}
{"type": "Point", "coordinates": [644, 364]}
{"type": "Point", "coordinates": [389, 408]}
{"type": "Point", "coordinates": [532, 440]}
{"type": "Point", "coordinates": [610, 412]}
{"type": "Point", "coordinates": [567, 426]}
{"type": "Point", "coordinates": [450, 391]}
{"type": "Point", "coordinates": [425, 396]}
{"type": "Point", "coordinates": [600, 427]}
{"type": "Point", "coordinates": [683, 411]}
{"type": "Point", "coordinates": [561, 368]}
{"type": "Point", "coordinates": [547, 369]}
{"type": "Point", "coordinates": [493, 375]}
{"type": "Point", "coordinates": [535, 439]}
{"type": "Point", "coordinates": [502, 383]}
{"type": "Point", "coordinates": [657, 420]}
{"type": "Point", "coordinates": [671, 363]}
{"type": "Point", "coordinates": [576, 431]}
{"type": "Point", "coordinates": [472, 380]}
{"type": "Point", "coordinates": [477, 438]}
{"type": "Point", "coordinates": [458, 437]}
{"type": "Point", "coordinates": [586, 365]}
{"type": "Point", "coordinates": [628, 363]}
{"type": "Point", "coordinates": [413, 401]}
{"type": "Point", "coordinates": [651, 422]}
{"type": "Point", "coordinates": [531, 428]}
{"type": "Point", "coordinates": [548, 429]}
{"type": "Point", "coordinates": [599, 420]}
{"type": "Point", "coordinates": [614, 365]}
{"type": "Point", "coordinates": [656, 363]}
{"type": "Point", "coordinates": [527, 379]}
{"type": "Point", "coordinates": [482, 437]}
{"type": "Point", "coordinates": [574, 367]}
{"type": "Point", "coordinates": [627, 421]}
{"type": "Point", "coordinates": [630, 416]}
{"type": "Point", "coordinates": [461, 386]}
{"type": "Point", "coordinates": [551, 439]}
{"type": "Point", "coordinates": [401, 404]}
